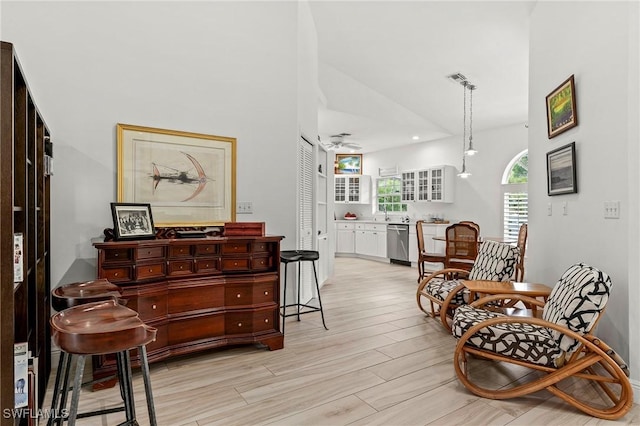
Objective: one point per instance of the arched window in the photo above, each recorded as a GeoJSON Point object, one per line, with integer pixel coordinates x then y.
{"type": "Point", "coordinates": [516, 199]}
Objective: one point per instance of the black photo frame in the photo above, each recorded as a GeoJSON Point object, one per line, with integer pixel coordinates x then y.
{"type": "Point", "coordinates": [561, 170]}
{"type": "Point", "coordinates": [132, 221]}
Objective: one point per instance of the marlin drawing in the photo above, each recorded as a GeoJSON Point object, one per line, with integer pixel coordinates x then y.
{"type": "Point", "coordinates": [177, 176]}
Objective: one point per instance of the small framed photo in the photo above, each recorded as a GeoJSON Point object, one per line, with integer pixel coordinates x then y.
{"type": "Point", "coordinates": [561, 170]}
{"type": "Point", "coordinates": [348, 164]}
{"type": "Point", "coordinates": [561, 108]}
{"type": "Point", "coordinates": [132, 221]}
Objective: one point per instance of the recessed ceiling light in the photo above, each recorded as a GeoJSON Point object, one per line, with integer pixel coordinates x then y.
{"type": "Point", "coordinates": [415, 138]}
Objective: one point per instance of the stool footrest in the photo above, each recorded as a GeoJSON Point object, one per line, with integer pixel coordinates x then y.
{"type": "Point", "coordinates": [310, 309]}
{"type": "Point", "coordinates": [100, 412]}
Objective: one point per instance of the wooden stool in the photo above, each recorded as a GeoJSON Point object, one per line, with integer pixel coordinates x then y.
{"type": "Point", "coordinates": [99, 328]}
{"type": "Point", "coordinates": [64, 297]}
{"type": "Point", "coordinates": [296, 256]}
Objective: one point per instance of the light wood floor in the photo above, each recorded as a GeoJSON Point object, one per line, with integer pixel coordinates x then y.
{"type": "Point", "coordinates": [382, 362]}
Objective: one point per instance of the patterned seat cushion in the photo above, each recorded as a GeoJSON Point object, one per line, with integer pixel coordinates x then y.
{"type": "Point", "coordinates": [526, 342]}
{"type": "Point", "coordinates": [576, 302]}
{"type": "Point", "coordinates": [495, 262]}
{"type": "Point", "coordinates": [440, 288]}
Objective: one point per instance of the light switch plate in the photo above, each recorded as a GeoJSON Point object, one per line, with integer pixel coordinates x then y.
{"type": "Point", "coordinates": [612, 209]}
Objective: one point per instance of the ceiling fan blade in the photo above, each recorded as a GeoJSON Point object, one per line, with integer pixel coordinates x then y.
{"type": "Point", "coordinates": [351, 145]}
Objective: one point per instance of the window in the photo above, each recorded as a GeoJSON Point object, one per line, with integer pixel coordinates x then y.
{"type": "Point", "coordinates": [516, 198]}
{"type": "Point", "coordinates": [389, 195]}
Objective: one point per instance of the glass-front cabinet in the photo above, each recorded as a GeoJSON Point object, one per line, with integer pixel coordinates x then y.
{"type": "Point", "coordinates": [434, 185]}
{"type": "Point", "coordinates": [353, 189]}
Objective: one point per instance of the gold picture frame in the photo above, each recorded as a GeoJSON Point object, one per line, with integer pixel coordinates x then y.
{"type": "Point", "coordinates": [189, 179]}
{"type": "Point", "coordinates": [562, 113]}
{"type": "Point", "coordinates": [348, 164]}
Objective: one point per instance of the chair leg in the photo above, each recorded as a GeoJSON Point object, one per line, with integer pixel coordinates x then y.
{"type": "Point", "coordinates": [315, 274]}
{"type": "Point", "coordinates": [298, 288]}
{"type": "Point", "coordinates": [124, 370]}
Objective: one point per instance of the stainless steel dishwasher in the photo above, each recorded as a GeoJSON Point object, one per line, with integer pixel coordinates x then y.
{"type": "Point", "coordinates": [398, 244]}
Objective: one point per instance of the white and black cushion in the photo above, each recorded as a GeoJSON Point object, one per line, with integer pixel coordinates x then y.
{"type": "Point", "coordinates": [575, 302]}
{"type": "Point", "coordinates": [495, 262]}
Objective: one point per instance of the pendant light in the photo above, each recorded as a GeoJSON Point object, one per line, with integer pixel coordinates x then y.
{"type": "Point", "coordinates": [463, 173]}
{"type": "Point", "coordinates": [470, 150]}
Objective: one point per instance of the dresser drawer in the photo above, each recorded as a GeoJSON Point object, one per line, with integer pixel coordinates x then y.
{"type": "Point", "coordinates": [182, 250]}
{"type": "Point", "coordinates": [179, 267]}
{"type": "Point", "coordinates": [206, 249]}
{"type": "Point", "coordinates": [149, 252]}
{"type": "Point", "coordinates": [117, 255]}
{"type": "Point", "coordinates": [261, 247]}
{"type": "Point", "coordinates": [235, 264]}
{"type": "Point", "coordinates": [249, 294]}
{"type": "Point", "coordinates": [261, 263]}
{"type": "Point", "coordinates": [250, 322]}
{"type": "Point", "coordinates": [151, 307]}
{"type": "Point", "coordinates": [151, 270]}
{"type": "Point", "coordinates": [207, 266]}
{"type": "Point", "coordinates": [190, 330]}
{"type": "Point", "coordinates": [185, 298]}
{"type": "Point", "coordinates": [231, 248]}
{"type": "Point", "coordinates": [123, 273]}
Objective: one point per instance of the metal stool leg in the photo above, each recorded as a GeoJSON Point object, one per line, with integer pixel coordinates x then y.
{"type": "Point", "coordinates": [299, 267]}
{"type": "Point", "coordinates": [315, 274]}
{"type": "Point", "coordinates": [284, 298]}
{"type": "Point", "coordinates": [144, 365]}
{"type": "Point", "coordinates": [77, 385]}
{"type": "Point", "coordinates": [124, 360]}
{"type": "Point", "coordinates": [60, 390]}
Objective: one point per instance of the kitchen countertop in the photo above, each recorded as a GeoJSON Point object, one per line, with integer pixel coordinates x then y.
{"type": "Point", "coordinates": [390, 222]}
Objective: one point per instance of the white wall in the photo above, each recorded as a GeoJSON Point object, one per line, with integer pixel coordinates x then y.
{"type": "Point", "coordinates": [223, 68]}
{"type": "Point", "coordinates": [477, 198]}
{"type": "Point", "coordinates": [599, 47]}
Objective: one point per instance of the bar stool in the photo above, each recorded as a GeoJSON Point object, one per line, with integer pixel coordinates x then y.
{"type": "Point", "coordinates": [64, 297]}
{"type": "Point", "coordinates": [297, 256]}
{"type": "Point", "coordinates": [100, 328]}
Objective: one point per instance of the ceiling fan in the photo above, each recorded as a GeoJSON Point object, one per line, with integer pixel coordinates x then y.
{"type": "Point", "coordinates": [337, 142]}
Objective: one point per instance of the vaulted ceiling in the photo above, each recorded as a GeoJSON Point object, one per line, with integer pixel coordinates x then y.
{"type": "Point", "coordinates": [383, 68]}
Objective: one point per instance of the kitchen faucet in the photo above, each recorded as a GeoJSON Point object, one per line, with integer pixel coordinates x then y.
{"type": "Point", "coordinates": [386, 215]}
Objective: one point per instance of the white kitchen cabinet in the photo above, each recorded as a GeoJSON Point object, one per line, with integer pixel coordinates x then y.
{"type": "Point", "coordinates": [371, 239]}
{"type": "Point", "coordinates": [436, 184]}
{"type": "Point", "coordinates": [353, 189]}
{"type": "Point", "coordinates": [345, 237]}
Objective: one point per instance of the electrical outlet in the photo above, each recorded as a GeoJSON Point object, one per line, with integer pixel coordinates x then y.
{"type": "Point", "coordinates": [244, 207]}
{"type": "Point", "coordinates": [612, 209]}
{"type": "Point", "coordinates": [565, 208]}
{"type": "Point", "coordinates": [549, 209]}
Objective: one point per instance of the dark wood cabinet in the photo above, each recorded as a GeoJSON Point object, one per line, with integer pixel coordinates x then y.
{"type": "Point", "coordinates": [199, 293]}
{"type": "Point", "coordinates": [25, 149]}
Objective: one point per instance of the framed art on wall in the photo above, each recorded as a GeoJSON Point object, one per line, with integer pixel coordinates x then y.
{"type": "Point", "coordinates": [561, 108]}
{"type": "Point", "coordinates": [561, 170]}
{"type": "Point", "coordinates": [132, 221]}
{"type": "Point", "coordinates": [188, 178]}
{"type": "Point", "coordinates": [348, 164]}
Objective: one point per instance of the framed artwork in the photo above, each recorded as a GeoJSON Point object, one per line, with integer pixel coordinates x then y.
{"type": "Point", "coordinates": [132, 221]}
{"type": "Point", "coordinates": [561, 108]}
{"type": "Point", "coordinates": [348, 164]}
{"type": "Point", "coordinates": [188, 178]}
{"type": "Point", "coordinates": [561, 170]}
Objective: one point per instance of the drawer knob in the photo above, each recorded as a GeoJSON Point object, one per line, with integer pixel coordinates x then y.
{"type": "Point", "coordinates": [153, 307]}
{"type": "Point", "coordinates": [239, 324]}
{"type": "Point", "coordinates": [266, 320]}
{"type": "Point", "coordinates": [149, 252]}
{"type": "Point", "coordinates": [150, 269]}
{"type": "Point", "coordinates": [266, 293]}
{"type": "Point", "coordinates": [206, 265]}
{"type": "Point", "coordinates": [116, 255]}
{"type": "Point", "coordinates": [208, 249]}
{"type": "Point", "coordinates": [181, 267]}
{"type": "Point", "coordinates": [235, 263]}
{"type": "Point", "coordinates": [262, 262]}
{"type": "Point", "coordinates": [238, 295]}
{"type": "Point", "coordinates": [116, 274]}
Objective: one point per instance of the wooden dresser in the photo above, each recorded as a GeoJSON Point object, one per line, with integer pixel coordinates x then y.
{"type": "Point", "coordinates": [199, 293]}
